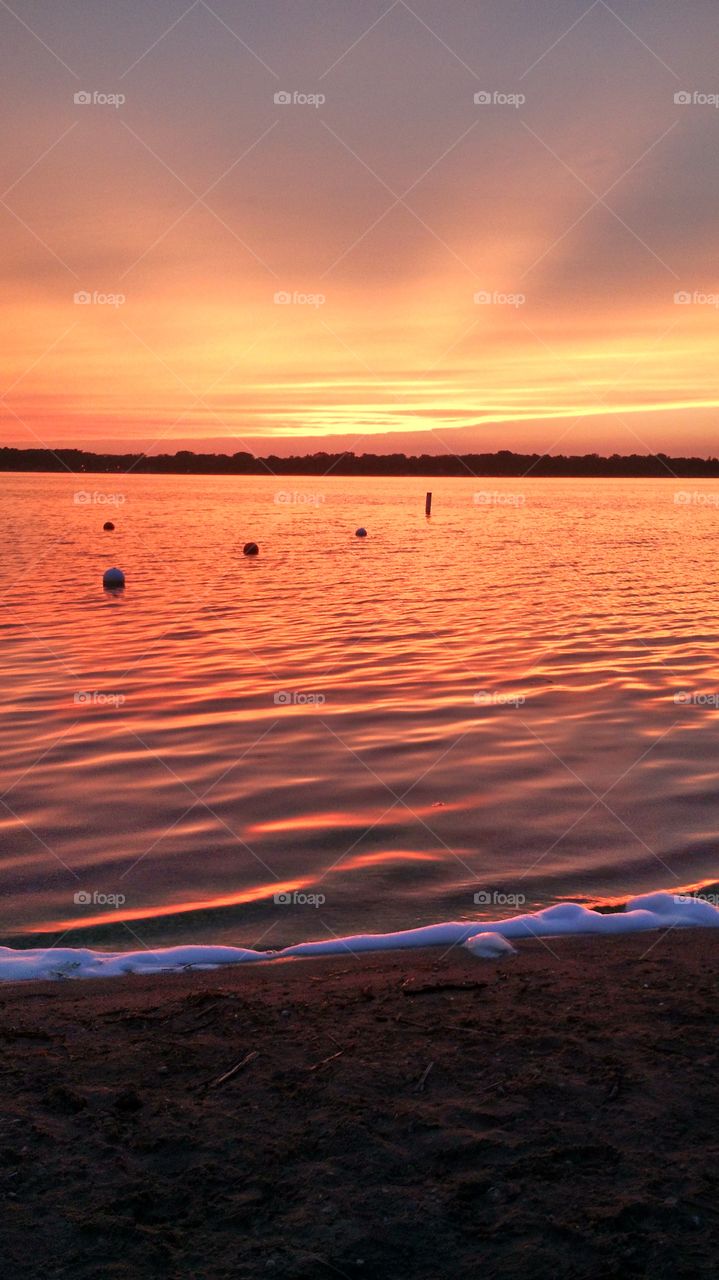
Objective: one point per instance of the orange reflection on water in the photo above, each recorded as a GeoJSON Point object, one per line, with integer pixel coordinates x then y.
{"type": "Point", "coordinates": [176, 908]}
{"type": "Point", "coordinates": [478, 680]}
{"type": "Point", "coordinates": [386, 856]}
{"type": "Point", "coordinates": [340, 819]}
{"type": "Point", "coordinates": [302, 822]}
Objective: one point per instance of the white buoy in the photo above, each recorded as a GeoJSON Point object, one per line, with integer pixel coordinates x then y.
{"type": "Point", "coordinates": [113, 578]}
{"type": "Point", "coordinates": [360, 533]}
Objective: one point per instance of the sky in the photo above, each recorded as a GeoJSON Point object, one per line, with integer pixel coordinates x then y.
{"type": "Point", "coordinates": [377, 225]}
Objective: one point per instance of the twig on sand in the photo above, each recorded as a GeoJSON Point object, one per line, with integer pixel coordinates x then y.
{"type": "Point", "coordinates": [324, 1061]}
{"type": "Point", "coordinates": [215, 1082]}
{"type": "Point", "coordinates": [208, 1009]}
{"type": "Point", "coordinates": [419, 1087]}
{"type": "Point", "coordinates": [439, 1026]}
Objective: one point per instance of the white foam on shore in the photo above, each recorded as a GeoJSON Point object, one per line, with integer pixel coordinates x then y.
{"type": "Point", "coordinates": [653, 911]}
{"type": "Point", "coordinates": [489, 946]}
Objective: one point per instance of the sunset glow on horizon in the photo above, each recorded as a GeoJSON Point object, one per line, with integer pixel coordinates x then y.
{"type": "Point", "coordinates": [206, 265]}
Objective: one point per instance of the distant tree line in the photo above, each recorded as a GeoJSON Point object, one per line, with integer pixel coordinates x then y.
{"type": "Point", "coordinates": [502, 463]}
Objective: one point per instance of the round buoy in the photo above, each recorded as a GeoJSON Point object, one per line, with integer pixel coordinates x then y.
{"type": "Point", "coordinates": [360, 533]}
{"type": "Point", "coordinates": [108, 526]}
{"type": "Point", "coordinates": [250, 549]}
{"type": "Point", "coordinates": [113, 578]}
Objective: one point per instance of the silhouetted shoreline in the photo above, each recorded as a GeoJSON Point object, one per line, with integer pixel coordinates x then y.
{"type": "Point", "coordinates": [501, 463]}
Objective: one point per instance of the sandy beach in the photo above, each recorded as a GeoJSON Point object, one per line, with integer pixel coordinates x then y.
{"type": "Point", "coordinates": [413, 1116]}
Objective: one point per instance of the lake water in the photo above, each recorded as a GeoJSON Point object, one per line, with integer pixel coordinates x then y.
{"type": "Point", "coordinates": [515, 699]}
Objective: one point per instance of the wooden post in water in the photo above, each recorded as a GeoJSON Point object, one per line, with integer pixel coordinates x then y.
{"type": "Point", "coordinates": [428, 505]}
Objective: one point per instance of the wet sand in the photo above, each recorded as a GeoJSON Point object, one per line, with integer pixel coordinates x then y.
{"type": "Point", "coordinates": [407, 1117]}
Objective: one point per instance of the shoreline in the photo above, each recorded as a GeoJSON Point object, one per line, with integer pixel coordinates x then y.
{"type": "Point", "coordinates": [345, 464]}
{"type": "Point", "coordinates": [645, 914]}
{"type": "Point", "coordinates": [547, 1115]}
